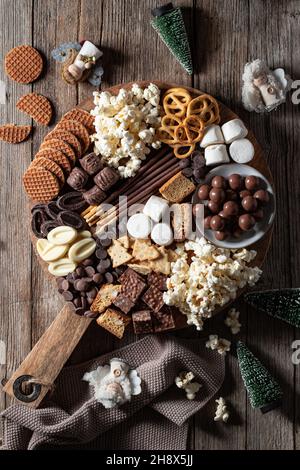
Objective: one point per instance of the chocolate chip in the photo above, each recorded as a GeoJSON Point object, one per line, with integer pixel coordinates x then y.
{"type": "Point", "coordinates": [80, 311]}
{"type": "Point", "coordinates": [72, 201]}
{"type": "Point", "coordinates": [67, 295]}
{"type": "Point", "coordinates": [97, 278]}
{"type": "Point", "coordinates": [188, 172]}
{"type": "Point", "coordinates": [90, 271]}
{"type": "Point", "coordinates": [87, 262]}
{"type": "Point", "coordinates": [70, 278]}
{"type": "Point", "coordinates": [71, 219]}
{"type": "Point", "coordinates": [84, 302]}
{"type": "Point", "coordinates": [101, 253]}
{"type": "Point", "coordinates": [184, 163]}
{"type": "Point", "coordinates": [77, 302]}
{"type": "Point", "coordinates": [105, 242]}
{"type": "Point", "coordinates": [109, 278]}
{"type": "Point", "coordinates": [82, 285]}
{"type": "Point", "coordinates": [100, 268]}
{"type": "Point", "coordinates": [91, 163]}
{"type": "Point", "coordinates": [90, 314]}
{"type": "Point", "coordinates": [59, 281]}
{"type": "Point", "coordinates": [106, 263]}
{"type": "Point", "coordinates": [92, 293]}
{"type": "Point", "coordinates": [198, 160]}
{"type": "Point", "coordinates": [65, 285]}
{"type": "Point", "coordinates": [80, 271]}
{"type": "Point", "coordinates": [60, 290]}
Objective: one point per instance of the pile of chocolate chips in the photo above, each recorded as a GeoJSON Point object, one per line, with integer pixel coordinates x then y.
{"type": "Point", "coordinates": [80, 287]}
{"type": "Point", "coordinates": [194, 167]}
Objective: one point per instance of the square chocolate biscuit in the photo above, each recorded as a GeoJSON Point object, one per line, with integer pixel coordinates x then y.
{"type": "Point", "coordinates": [132, 284]}
{"type": "Point", "coordinates": [157, 280]}
{"type": "Point", "coordinates": [153, 297]}
{"type": "Point", "coordinates": [142, 322]}
{"type": "Point", "coordinates": [129, 274]}
{"type": "Point", "coordinates": [124, 303]}
{"type": "Point", "coordinates": [163, 320]}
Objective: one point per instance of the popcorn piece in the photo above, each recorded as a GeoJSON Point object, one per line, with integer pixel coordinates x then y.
{"type": "Point", "coordinates": [220, 344]}
{"type": "Point", "coordinates": [184, 381]}
{"type": "Point", "coordinates": [222, 414]}
{"type": "Point", "coordinates": [232, 320]}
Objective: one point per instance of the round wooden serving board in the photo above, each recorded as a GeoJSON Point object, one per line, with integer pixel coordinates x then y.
{"type": "Point", "coordinates": [53, 349]}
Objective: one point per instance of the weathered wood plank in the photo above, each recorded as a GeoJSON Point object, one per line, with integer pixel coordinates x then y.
{"type": "Point", "coordinates": [15, 252]}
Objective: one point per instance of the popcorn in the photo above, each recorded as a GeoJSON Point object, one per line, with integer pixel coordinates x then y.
{"type": "Point", "coordinates": [222, 414]}
{"type": "Point", "coordinates": [209, 278]}
{"type": "Point", "coordinates": [184, 381]}
{"type": "Point", "coordinates": [220, 344]}
{"type": "Point", "coordinates": [126, 126]}
{"type": "Point", "coordinates": [232, 320]}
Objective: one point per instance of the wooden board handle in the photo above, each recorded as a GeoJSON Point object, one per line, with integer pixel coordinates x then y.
{"type": "Point", "coordinates": [45, 361]}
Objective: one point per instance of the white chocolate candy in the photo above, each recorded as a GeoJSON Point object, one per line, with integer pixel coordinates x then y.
{"type": "Point", "coordinates": [213, 135]}
{"type": "Point", "coordinates": [49, 252]}
{"type": "Point", "coordinates": [162, 234]}
{"type": "Point", "coordinates": [233, 130]}
{"type": "Point", "coordinates": [139, 226]}
{"type": "Point", "coordinates": [83, 234]}
{"type": "Point", "coordinates": [216, 155]}
{"type": "Point", "coordinates": [155, 208]}
{"type": "Point", "coordinates": [61, 267]}
{"type": "Point", "coordinates": [82, 249]}
{"type": "Point", "coordinates": [62, 235]}
{"type": "Point", "coordinates": [241, 151]}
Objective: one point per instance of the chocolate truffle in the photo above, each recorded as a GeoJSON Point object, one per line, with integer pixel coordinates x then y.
{"type": "Point", "coordinates": [77, 179]}
{"type": "Point", "coordinates": [94, 195]}
{"type": "Point", "coordinates": [91, 163]}
{"type": "Point", "coordinates": [106, 178]}
{"type": "Point", "coordinates": [246, 222]}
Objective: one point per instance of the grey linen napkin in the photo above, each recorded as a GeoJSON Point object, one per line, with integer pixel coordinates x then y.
{"type": "Point", "coordinates": [157, 419]}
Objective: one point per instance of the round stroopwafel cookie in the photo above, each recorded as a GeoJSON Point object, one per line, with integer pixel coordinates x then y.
{"type": "Point", "coordinates": [82, 116]}
{"type": "Point", "coordinates": [58, 157]}
{"type": "Point", "coordinates": [41, 185]}
{"type": "Point", "coordinates": [14, 134]}
{"type": "Point", "coordinates": [23, 64]}
{"type": "Point", "coordinates": [66, 136]}
{"type": "Point", "coordinates": [49, 165]}
{"type": "Point", "coordinates": [57, 144]}
{"type": "Point", "coordinates": [77, 129]}
{"type": "Point", "coordinates": [37, 106]}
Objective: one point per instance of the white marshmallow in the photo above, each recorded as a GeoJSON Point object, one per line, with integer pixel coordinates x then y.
{"type": "Point", "coordinates": [139, 226]}
{"type": "Point", "coordinates": [234, 129]}
{"type": "Point", "coordinates": [216, 155]}
{"type": "Point", "coordinates": [213, 135]}
{"type": "Point", "coordinates": [241, 151]}
{"type": "Point", "coordinates": [162, 234]}
{"type": "Point", "coordinates": [155, 208]}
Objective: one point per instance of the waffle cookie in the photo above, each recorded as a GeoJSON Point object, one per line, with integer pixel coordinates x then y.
{"type": "Point", "coordinates": [64, 147]}
{"type": "Point", "coordinates": [58, 157]}
{"type": "Point", "coordinates": [23, 64]}
{"type": "Point", "coordinates": [82, 116]}
{"type": "Point", "coordinates": [67, 137]}
{"type": "Point", "coordinates": [49, 165]}
{"type": "Point", "coordinates": [78, 130]}
{"type": "Point", "coordinates": [37, 106]}
{"type": "Point", "coordinates": [14, 134]}
{"type": "Point", "coordinates": [41, 185]}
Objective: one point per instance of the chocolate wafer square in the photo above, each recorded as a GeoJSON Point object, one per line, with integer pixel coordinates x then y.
{"type": "Point", "coordinates": [153, 297]}
{"type": "Point", "coordinates": [163, 320]}
{"type": "Point", "coordinates": [124, 303]}
{"type": "Point", "coordinates": [142, 322]}
{"type": "Point", "coordinates": [157, 280]}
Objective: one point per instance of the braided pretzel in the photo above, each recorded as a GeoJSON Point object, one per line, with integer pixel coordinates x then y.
{"type": "Point", "coordinates": [190, 131]}
{"type": "Point", "coordinates": [183, 151]}
{"type": "Point", "coordinates": [206, 107]}
{"type": "Point", "coordinates": [166, 132]}
{"type": "Point", "coordinates": [175, 102]}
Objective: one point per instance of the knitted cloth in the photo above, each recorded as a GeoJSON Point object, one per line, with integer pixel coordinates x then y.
{"type": "Point", "coordinates": [157, 419]}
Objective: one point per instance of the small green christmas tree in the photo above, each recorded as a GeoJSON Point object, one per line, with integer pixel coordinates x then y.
{"type": "Point", "coordinates": [168, 23]}
{"type": "Point", "coordinates": [282, 304]}
{"type": "Point", "coordinates": [264, 392]}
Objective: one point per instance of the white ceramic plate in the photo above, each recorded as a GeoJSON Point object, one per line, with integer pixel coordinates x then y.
{"type": "Point", "coordinates": [260, 228]}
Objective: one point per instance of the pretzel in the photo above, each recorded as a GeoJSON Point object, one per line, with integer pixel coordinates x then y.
{"type": "Point", "coordinates": [166, 132]}
{"type": "Point", "coordinates": [206, 107]}
{"type": "Point", "coordinates": [183, 151]}
{"type": "Point", "coordinates": [190, 131]}
{"type": "Point", "coordinates": [175, 102]}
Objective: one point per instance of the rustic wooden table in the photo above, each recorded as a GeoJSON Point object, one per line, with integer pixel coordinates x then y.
{"type": "Point", "coordinates": [224, 35]}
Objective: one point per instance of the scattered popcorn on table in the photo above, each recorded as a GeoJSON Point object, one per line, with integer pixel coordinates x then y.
{"type": "Point", "coordinates": [222, 414]}
{"type": "Point", "coordinates": [126, 126]}
{"type": "Point", "coordinates": [207, 279]}
{"type": "Point", "coordinates": [232, 320]}
{"type": "Point", "coordinates": [184, 381]}
{"type": "Point", "coordinates": [220, 344]}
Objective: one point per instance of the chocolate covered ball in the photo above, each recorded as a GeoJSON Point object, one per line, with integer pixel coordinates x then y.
{"type": "Point", "coordinates": [230, 208]}
{"type": "Point", "coordinates": [219, 182]}
{"type": "Point", "coordinates": [203, 192]}
{"type": "Point", "coordinates": [244, 193]}
{"type": "Point", "coordinates": [251, 182]}
{"type": "Point", "coordinates": [221, 235]}
{"type": "Point", "coordinates": [249, 203]}
{"type": "Point", "coordinates": [217, 223]}
{"type": "Point", "coordinates": [262, 196]}
{"type": "Point", "coordinates": [246, 222]}
{"type": "Point", "coordinates": [258, 215]}
{"type": "Point", "coordinates": [235, 182]}
{"type": "Point", "coordinates": [217, 195]}
{"type": "Point", "coordinates": [223, 215]}
{"type": "Point", "coordinates": [231, 195]}
{"type": "Point", "coordinates": [213, 207]}
{"type": "Point", "coordinates": [207, 221]}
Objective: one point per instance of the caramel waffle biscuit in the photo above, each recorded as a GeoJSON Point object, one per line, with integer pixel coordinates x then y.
{"type": "Point", "coordinates": [49, 165]}
{"type": "Point", "coordinates": [23, 64]}
{"type": "Point", "coordinates": [68, 137]}
{"type": "Point", "coordinates": [78, 130]}
{"type": "Point", "coordinates": [57, 144]}
{"type": "Point", "coordinates": [14, 134]}
{"type": "Point", "coordinates": [82, 116]}
{"type": "Point", "coordinates": [58, 157]}
{"type": "Point", "coordinates": [41, 185]}
{"type": "Point", "coordinates": [37, 106]}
